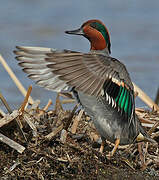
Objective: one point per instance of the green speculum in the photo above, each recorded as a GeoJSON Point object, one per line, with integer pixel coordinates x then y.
{"type": "Point", "coordinates": [123, 100]}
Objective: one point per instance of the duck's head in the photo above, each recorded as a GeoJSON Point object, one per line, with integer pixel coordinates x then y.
{"type": "Point", "coordinates": [96, 32]}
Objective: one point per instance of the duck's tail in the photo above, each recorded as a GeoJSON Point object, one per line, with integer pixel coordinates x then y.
{"type": "Point", "coordinates": [142, 134]}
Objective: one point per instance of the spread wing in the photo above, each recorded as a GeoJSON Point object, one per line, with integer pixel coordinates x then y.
{"type": "Point", "coordinates": [91, 73]}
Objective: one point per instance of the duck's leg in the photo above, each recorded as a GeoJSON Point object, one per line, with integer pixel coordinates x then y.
{"type": "Point", "coordinates": [117, 142]}
{"type": "Point", "coordinates": [102, 146]}
{"type": "Point", "coordinates": [114, 149]}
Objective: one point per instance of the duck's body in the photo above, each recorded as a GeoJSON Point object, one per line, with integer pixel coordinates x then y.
{"type": "Point", "coordinates": [107, 120]}
{"type": "Point", "coordinates": [101, 83]}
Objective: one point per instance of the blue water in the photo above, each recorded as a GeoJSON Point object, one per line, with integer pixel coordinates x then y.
{"type": "Point", "coordinates": [133, 26]}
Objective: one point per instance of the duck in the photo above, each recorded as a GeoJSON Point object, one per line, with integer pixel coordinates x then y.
{"type": "Point", "coordinates": [99, 82]}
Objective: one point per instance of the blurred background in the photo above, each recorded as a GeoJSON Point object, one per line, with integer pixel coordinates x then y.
{"type": "Point", "coordinates": [133, 26]}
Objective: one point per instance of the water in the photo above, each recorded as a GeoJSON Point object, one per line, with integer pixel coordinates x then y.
{"type": "Point", "coordinates": [133, 25]}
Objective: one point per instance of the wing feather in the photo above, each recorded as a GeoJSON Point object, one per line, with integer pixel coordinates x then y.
{"type": "Point", "coordinates": [86, 72]}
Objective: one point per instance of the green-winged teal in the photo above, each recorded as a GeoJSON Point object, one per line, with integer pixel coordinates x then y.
{"type": "Point", "coordinates": [100, 83]}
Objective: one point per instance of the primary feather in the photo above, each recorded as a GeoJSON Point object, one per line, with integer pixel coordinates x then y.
{"type": "Point", "coordinates": [90, 73]}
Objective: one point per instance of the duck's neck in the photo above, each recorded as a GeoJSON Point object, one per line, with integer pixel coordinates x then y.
{"type": "Point", "coordinates": [103, 51]}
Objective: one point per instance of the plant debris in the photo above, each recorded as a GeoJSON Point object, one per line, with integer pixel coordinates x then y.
{"type": "Point", "coordinates": [62, 144]}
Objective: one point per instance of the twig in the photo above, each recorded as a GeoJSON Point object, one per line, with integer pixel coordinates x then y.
{"type": "Point", "coordinates": [68, 121]}
{"type": "Point", "coordinates": [54, 132]}
{"type": "Point", "coordinates": [45, 108]}
{"type": "Point", "coordinates": [58, 106]}
{"type": "Point", "coordinates": [21, 110]}
{"type": "Point", "coordinates": [146, 99]}
{"type": "Point", "coordinates": [153, 128]}
{"type": "Point", "coordinates": [139, 109]}
{"type": "Point", "coordinates": [5, 103]}
{"type": "Point", "coordinates": [14, 78]}
{"type": "Point", "coordinates": [141, 155]}
{"type": "Point", "coordinates": [9, 117]}
{"type": "Point", "coordinates": [34, 107]}
{"type": "Point", "coordinates": [24, 104]}
{"type": "Point", "coordinates": [142, 120]}
{"type": "Point", "coordinates": [66, 95]}
{"type": "Point", "coordinates": [145, 153]}
{"type": "Point", "coordinates": [146, 164]}
{"type": "Point", "coordinates": [62, 160]}
{"type": "Point", "coordinates": [2, 113]}
{"type": "Point", "coordinates": [76, 121]}
{"type": "Point", "coordinates": [14, 166]}
{"type": "Point", "coordinates": [20, 126]}
{"type": "Point", "coordinates": [35, 104]}
{"type": "Point", "coordinates": [48, 105]}
{"type": "Point", "coordinates": [157, 97]}
{"type": "Point", "coordinates": [148, 125]}
{"type": "Point", "coordinates": [66, 101]}
{"type": "Point", "coordinates": [31, 124]}
{"type": "Point", "coordinates": [156, 134]}
{"type": "Point", "coordinates": [12, 143]}
{"type": "Point", "coordinates": [128, 163]}
{"type": "Point", "coordinates": [63, 136]}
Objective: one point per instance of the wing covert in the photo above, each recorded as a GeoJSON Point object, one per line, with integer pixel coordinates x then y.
{"type": "Point", "coordinates": [86, 72]}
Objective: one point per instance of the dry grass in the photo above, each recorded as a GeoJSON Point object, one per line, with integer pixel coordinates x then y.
{"type": "Point", "coordinates": [44, 147]}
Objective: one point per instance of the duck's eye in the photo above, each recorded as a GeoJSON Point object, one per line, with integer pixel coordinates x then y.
{"type": "Point", "coordinates": [94, 25]}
